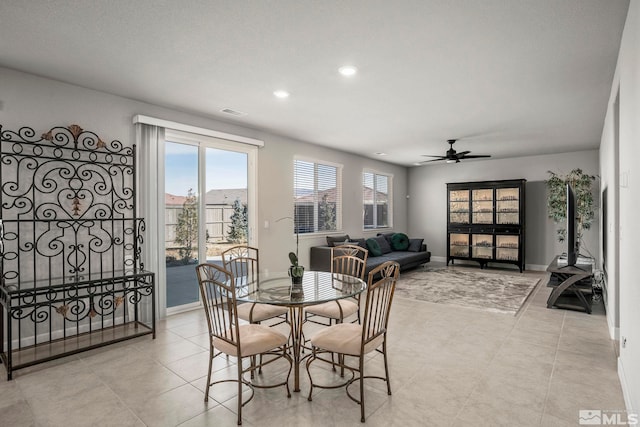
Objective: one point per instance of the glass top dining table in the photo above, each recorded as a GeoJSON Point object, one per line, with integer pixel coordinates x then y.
{"type": "Point", "coordinates": [317, 287]}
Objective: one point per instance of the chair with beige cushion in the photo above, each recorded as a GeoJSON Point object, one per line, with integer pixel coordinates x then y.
{"type": "Point", "coordinates": [345, 259]}
{"type": "Point", "coordinates": [357, 340]}
{"type": "Point", "coordinates": [242, 262]}
{"type": "Point", "coordinates": [227, 336]}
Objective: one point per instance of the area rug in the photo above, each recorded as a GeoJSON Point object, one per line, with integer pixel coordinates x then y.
{"type": "Point", "coordinates": [496, 292]}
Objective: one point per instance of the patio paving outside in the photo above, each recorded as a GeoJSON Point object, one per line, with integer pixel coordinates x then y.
{"type": "Point", "coordinates": [182, 284]}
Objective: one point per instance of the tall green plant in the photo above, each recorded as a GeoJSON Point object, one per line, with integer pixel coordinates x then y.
{"type": "Point", "coordinates": [327, 214]}
{"type": "Point", "coordinates": [582, 184]}
{"type": "Point", "coordinates": [187, 227]}
{"type": "Point", "coordinates": [239, 224]}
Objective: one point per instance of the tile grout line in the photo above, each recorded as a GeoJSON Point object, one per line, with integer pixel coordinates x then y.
{"type": "Point", "coordinates": [553, 369]}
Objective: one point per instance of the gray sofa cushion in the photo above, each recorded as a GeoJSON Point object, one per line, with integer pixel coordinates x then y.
{"type": "Point", "coordinates": [387, 236]}
{"type": "Point", "coordinates": [337, 240]}
{"type": "Point", "coordinates": [360, 242]}
{"type": "Point", "coordinates": [378, 246]}
{"type": "Point", "coordinates": [385, 247]}
{"type": "Point", "coordinates": [415, 245]}
{"type": "Point", "coordinates": [405, 259]}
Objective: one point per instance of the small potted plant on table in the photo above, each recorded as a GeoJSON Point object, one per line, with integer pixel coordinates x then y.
{"type": "Point", "coordinates": [296, 271]}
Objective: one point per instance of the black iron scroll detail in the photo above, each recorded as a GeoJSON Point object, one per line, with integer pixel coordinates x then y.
{"type": "Point", "coordinates": [68, 205]}
{"type": "Point", "coordinates": [70, 244]}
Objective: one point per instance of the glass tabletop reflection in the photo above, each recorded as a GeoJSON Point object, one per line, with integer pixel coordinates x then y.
{"type": "Point", "coordinates": [317, 287]}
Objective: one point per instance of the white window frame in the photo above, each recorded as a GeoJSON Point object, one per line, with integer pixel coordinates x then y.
{"type": "Point", "coordinates": [389, 199]}
{"type": "Point", "coordinates": [339, 168]}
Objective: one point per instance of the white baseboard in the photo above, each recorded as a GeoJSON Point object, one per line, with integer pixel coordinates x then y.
{"type": "Point", "coordinates": [439, 258]}
{"type": "Point", "coordinates": [614, 332]}
{"type": "Point", "coordinates": [626, 392]}
{"type": "Point", "coordinates": [535, 267]}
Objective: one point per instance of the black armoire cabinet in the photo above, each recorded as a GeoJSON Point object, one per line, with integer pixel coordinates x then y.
{"type": "Point", "coordinates": [486, 222]}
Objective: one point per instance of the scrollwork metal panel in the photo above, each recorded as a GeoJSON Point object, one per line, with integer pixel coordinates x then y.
{"type": "Point", "coordinates": [70, 237]}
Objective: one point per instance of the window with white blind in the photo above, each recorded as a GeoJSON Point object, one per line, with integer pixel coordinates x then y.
{"type": "Point", "coordinates": [317, 190]}
{"type": "Point", "coordinates": [376, 196]}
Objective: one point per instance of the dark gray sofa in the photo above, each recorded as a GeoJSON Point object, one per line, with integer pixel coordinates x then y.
{"type": "Point", "coordinates": [320, 256]}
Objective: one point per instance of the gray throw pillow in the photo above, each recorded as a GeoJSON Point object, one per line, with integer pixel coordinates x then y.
{"type": "Point", "coordinates": [384, 245]}
{"type": "Point", "coordinates": [387, 236]}
{"type": "Point", "coordinates": [337, 240]}
{"type": "Point", "coordinates": [415, 245]}
{"type": "Point", "coordinates": [360, 242]}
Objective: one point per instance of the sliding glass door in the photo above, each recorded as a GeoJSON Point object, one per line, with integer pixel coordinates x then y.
{"type": "Point", "coordinates": [181, 222]}
{"type": "Point", "coordinates": [207, 209]}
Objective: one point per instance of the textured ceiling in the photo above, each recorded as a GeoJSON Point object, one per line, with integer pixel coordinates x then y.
{"type": "Point", "coordinates": [506, 77]}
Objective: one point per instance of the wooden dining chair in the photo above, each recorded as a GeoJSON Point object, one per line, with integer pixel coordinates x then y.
{"type": "Point", "coordinates": [345, 259]}
{"type": "Point", "coordinates": [243, 262]}
{"type": "Point", "coordinates": [227, 336]}
{"type": "Point", "coordinates": [358, 340]}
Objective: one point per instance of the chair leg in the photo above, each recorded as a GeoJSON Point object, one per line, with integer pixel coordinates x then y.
{"type": "Point", "coordinates": [386, 366]}
{"type": "Point", "coordinates": [361, 388]}
{"type": "Point", "coordinates": [239, 364]}
{"type": "Point", "coordinates": [206, 391]}
{"type": "Point", "coordinates": [312, 357]}
{"type": "Point", "coordinates": [340, 359]}
{"type": "Point", "coordinates": [252, 362]}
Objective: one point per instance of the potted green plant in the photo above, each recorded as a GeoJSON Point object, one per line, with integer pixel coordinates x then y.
{"type": "Point", "coordinates": [296, 271]}
{"type": "Point", "coordinates": [582, 184]}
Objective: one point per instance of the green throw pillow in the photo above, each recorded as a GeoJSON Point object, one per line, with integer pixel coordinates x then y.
{"type": "Point", "coordinates": [374, 247]}
{"type": "Point", "coordinates": [400, 242]}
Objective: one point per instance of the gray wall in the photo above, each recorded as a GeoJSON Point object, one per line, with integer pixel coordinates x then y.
{"type": "Point", "coordinates": [428, 199]}
{"type": "Point", "coordinates": [619, 154]}
{"type": "Point", "coordinates": [28, 100]}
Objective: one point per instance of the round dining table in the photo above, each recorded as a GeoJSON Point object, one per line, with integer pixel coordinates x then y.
{"type": "Point", "coordinates": [317, 287]}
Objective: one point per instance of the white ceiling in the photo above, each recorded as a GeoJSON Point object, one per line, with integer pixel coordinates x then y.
{"type": "Point", "coordinates": [506, 77]}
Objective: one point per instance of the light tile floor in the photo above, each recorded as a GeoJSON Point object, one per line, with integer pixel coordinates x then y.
{"type": "Point", "coordinates": [450, 366]}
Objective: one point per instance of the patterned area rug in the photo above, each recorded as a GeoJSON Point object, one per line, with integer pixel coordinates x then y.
{"type": "Point", "coordinates": [497, 292]}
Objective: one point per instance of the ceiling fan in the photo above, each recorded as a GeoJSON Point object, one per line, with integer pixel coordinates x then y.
{"type": "Point", "coordinates": [452, 156]}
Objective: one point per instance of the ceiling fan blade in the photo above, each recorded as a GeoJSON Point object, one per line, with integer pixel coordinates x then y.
{"type": "Point", "coordinates": [439, 157]}
{"type": "Point", "coordinates": [434, 160]}
{"type": "Point", "coordinates": [475, 156]}
{"type": "Point", "coordinates": [463, 153]}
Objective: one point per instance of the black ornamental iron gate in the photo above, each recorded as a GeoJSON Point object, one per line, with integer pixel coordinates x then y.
{"type": "Point", "coordinates": [70, 246]}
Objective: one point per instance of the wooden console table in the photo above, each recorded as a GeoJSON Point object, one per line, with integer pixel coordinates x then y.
{"type": "Point", "coordinates": [572, 285]}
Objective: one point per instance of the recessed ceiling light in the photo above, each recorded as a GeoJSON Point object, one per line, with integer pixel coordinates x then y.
{"type": "Point", "coordinates": [380, 153]}
{"type": "Point", "coordinates": [281, 94]}
{"type": "Point", "coordinates": [348, 70]}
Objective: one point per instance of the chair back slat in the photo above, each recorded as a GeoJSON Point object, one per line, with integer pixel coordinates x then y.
{"type": "Point", "coordinates": [349, 259]}
{"type": "Point", "coordinates": [378, 302]}
{"type": "Point", "coordinates": [242, 262]}
{"type": "Point", "coordinates": [217, 290]}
